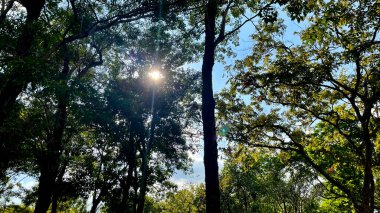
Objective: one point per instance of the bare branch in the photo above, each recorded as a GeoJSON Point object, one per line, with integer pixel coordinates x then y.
{"type": "Point", "coordinates": [221, 35]}
{"type": "Point", "coordinates": [273, 147]}
{"type": "Point", "coordinates": [221, 38]}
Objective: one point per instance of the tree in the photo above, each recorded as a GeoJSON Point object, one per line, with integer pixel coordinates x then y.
{"type": "Point", "coordinates": [222, 13]}
{"type": "Point", "coordinates": [32, 43]}
{"type": "Point", "coordinates": [63, 59]}
{"type": "Point", "coordinates": [128, 102]}
{"type": "Point", "coordinates": [64, 106]}
{"type": "Point", "coordinates": [258, 180]}
{"type": "Point", "coordinates": [208, 112]}
{"type": "Point", "coordinates": [327, 91]}
{"type": "Point", "coordinates": [131, 97]}
{"type": "Point", "coordinates": [190, 199]}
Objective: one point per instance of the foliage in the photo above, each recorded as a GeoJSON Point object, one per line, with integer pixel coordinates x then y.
{"type": "Point", "coordinates": [190, 199]}
{"type": "Point", "coordinates": [81, 131]}
{"type": "Point", "coordinates": [323, 95]}
{"type": "Point", "coordinates": [255, 180]}
{"type": "Point", "coordinates": [76, 107]}
{"type": "Point", "coordinates": [16, 209]}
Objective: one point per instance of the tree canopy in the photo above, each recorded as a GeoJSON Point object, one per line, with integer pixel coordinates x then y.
{"type": "Point", "coordinates": [296, 124]}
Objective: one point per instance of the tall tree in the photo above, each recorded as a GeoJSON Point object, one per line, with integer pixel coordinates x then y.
{"type": "Point", "coordinates": [208, 112]}
{"type": "Point", "coordinates": [218, 15]}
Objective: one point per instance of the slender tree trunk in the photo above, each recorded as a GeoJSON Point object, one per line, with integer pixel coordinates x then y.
{"type": "Point", "coordinates": [145, 160]}
{"type": "Point", "coordinates": [97, 199]}
{"type": "Point", "coordinates": [49, 161]}
{"type": "Point", "coordinates": [208, 113]}
{"type": "Point", "coordinates": [59, 181]}
{"type": "Point", "coordinates": [141, 197]}
{"type": "Point", "coordinates": [135, 188]}
{"type": "Point", "coordinates": [45, 187]}
{"type": "Point", "coordinates": [95, 204]}
{"type": "Point", "coordinates": [54, 203]}
{"type": "Point", "coordinates": [129, 181]}
{"type": "Point", "coordinates": [49, 165]}
{"type": "Point", "coordinates": [368, 190]}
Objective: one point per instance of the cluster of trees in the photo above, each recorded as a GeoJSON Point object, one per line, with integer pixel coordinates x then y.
{"type": "Point", "coordinates": [79, 113]}
{"type": "Point", "coordinates": [76, 101]}
{"type": "Point", "coordinates": [323, 95]}
{"type": "Point", "coordinates": [255, 185]}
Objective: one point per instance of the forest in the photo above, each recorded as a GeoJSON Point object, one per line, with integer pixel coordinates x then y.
{"type": "Point", "coordinates": [103, 102]}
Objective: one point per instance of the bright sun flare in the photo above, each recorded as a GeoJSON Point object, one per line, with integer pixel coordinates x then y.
{"type": "Point", "coordinates": [155, 75]}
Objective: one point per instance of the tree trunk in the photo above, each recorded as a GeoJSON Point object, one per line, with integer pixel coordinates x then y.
{"type": "Point", "coordinates": [94, 206]}
{"type": "Point", "coordinates": [54, 203]}
{"type": "Point", "coordinates": [128, 182]}
{"type": "Point", "coordinates": [145, 159]}
{"type": "Point", "coordinates": [208, 116]}
{"type": "Point", "coordinates": [141, 197]}
{"type": "Point", "coordinates": [368, 190]}
{"type": "Point", "coordinates": [45, 189]}
{"type": "Point", "coordinates": [49, 161]}
{"type": "Point", "coordinates": [49, 164]}
{"type": "Point", "coordinates": [59, 181]}
{"type": "Point", "coordinates": [96, 200]}
{"type": "Point", "coordinates": [135, 188]}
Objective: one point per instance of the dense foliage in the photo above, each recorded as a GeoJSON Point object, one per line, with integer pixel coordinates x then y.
{"type": "Point", "coordinates": [323, 96]}
{"type": "Point", "coordinates": [83, 119]}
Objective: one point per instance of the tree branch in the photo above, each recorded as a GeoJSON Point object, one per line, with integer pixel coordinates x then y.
{"type": "Point", "coordinates": [300, 150]}
{"type": "Point", "coordinates": [99, 62]}
{"type": "Point", "coordinates": [5, 9]}
{"type": "Point", "coordinates": [221, 35]}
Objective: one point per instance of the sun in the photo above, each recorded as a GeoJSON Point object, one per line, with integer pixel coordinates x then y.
{"type": "Point", "coordinates": [155, 75]}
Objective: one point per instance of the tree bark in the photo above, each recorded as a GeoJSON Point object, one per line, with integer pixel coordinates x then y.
{"type": "Point", "coordinates": [141, 197]}
{"type": "Point", "coordinates": [208, 113]}
{"type": "Point", "coordinates": [59, 181]}
{"type": "Point", "coordinates": [94, 206]}
{"type": "Point", "coordinates": [135, 188]}
{"type": "Point", "coordinates": [45, 187]}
